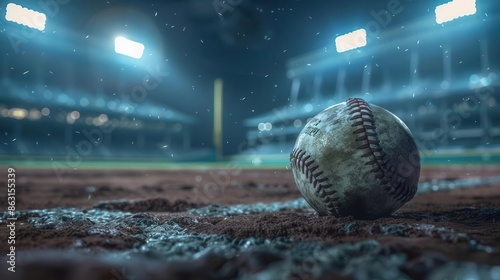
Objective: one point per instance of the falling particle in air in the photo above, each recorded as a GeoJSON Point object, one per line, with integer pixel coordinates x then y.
{"type": "Point", "coordinates": [86, 37]}
{"type": "Point", "coordinates": [243, 98]}
{"type": "Point", "coordinates": [184, 28]}
{"type": "Point", "coordinates": [308, 64]}
{"type": "Point", "coordinates": [310, 17]}
{"type": "Point", "coordinates": [202, 41]}
{"type": "Point", "coordinates": [253, 111]}
{"type": "Point", "coordinates": [284, 50]}
{"type": "Point", "coordinates": [51, 72]}
{"type": "Point", "coordinates": [171, 155]}
{"type": "Point", "coordinates": [275, 86]}
{"type": "Point", "coordinates": [414, 95]}
{"type": "Point", "coordinates": [156, 13]}
{"type": "Point", "coordinates": [266, 76]}
{"type": "Point", "coordinates": [14, 139]}
{"type": "Point", "coordinates": [26, 72]}
{"type": "Point", "coordinates": [418, 42]}
{"type": "Point", "coordinates": [165, 146]}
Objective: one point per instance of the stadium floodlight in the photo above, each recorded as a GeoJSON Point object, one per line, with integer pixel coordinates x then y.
{"type": "Point", "coordinates": [128, 47]}
{"type": "Point", "coordinates": [350, 41]}
{"type": "Point", "coordinates": [25, 16]}
{"type": "Point", "coordinates": [455, 9]}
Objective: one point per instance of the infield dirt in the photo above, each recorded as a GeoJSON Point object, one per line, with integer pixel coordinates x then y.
{"type": "Point", "coordinates": [247, 224]}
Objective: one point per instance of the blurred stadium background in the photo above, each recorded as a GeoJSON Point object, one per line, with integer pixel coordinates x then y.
{"type": "Point", "coordinates": [237, 81]}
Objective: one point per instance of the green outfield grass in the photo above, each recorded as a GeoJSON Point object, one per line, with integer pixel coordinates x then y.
{"type": "Point", "coordinates": [276, 161]}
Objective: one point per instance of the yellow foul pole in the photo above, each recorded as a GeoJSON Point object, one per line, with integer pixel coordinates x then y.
{"type": "Point", "coordinates": [218, 118]}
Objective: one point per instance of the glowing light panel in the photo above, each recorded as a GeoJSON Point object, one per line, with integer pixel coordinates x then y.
{"type": "Point", "coordinates": [350, 41]}
{"type": "Point", "coordinates": [25, 16]}
{"type": "Point", "coordinates": [128, 47]}
{"type": "Point", "coordinates": [455, 9]}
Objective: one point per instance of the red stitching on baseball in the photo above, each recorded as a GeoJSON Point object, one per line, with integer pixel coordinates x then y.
{"type": "Point", "coordinates": [361, 111]}
{"type": "Point", "coordinates": [298, 161]}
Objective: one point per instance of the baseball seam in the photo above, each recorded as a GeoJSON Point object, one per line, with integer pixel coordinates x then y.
{"type": "Point", "coordinates": [362, 116]}
{"type": "Point", "coordinates": [307, 166]}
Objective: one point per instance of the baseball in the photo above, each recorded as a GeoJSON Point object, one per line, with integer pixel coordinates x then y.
{"type": "Point", "coordinates": [356, 159]}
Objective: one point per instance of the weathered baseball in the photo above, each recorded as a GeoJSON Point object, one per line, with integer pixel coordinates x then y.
{"type": "Point", "coordinates": [357, 159]}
